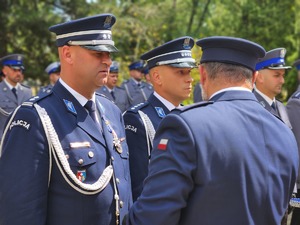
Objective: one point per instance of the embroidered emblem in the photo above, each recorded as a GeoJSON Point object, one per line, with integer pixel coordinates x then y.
{"type": "Point", "coordinates": [282, 53]}
{"type": "Point", "coordinates": [130, 127]}
{"type": "Point", "coordinates": [263, 104]}
{"type": "Point", "coordinates": [162, 144]}
{"type": "Point", "coordinates": [160, 112]}
{"type": "Point", "coordinates": [81, 175]}
{"type": "Point", "coordinates": [107, 21]}
{"type": "Point", "coordinates": [20, 123]}
{"type": "Point", "coordinates": [186, 43]}
{"type": "Point", "coordinates": [70, 106]}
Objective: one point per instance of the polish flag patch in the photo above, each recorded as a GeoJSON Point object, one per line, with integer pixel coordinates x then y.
{"type": "Point", "coordinates": [162, 144]}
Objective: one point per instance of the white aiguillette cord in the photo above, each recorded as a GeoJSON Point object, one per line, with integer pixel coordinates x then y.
{"type": "Point", "coordinates": [63, 164]}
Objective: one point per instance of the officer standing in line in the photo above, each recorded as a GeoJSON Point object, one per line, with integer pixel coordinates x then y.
{"type": "Point", "coordinates": [271, 70]}
{"type": "Point", "coordinates": [225, 161]}
{"type": "Point", "coordinates": [197, 94]}
{"type": "Point", "coordinates": [293, 110]}
{"type": "Point", "coordinates": [137, 89]}
{"type": "Point", "coordinates": [170, 68]}
{"type": "Point", "coordinates": [64, 157]}
{"type": "Point", "coordinates": [12, 92]}
{"type": "Point", "coordinates": [297, 65]}
{"type": "Point", "coordinates": [145, 71]}
{"type": "Point", "coordinates": [53, 70]}
{"type": "Point", "coordinates": [112, 91]}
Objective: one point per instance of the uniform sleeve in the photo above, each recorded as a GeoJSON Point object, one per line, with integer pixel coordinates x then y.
{"type": "Point", "coordinates": [138, 151]}
{"type": "Point", "coordinates": [24, 169]}
{"type": "Point", "coordinates": [170, 180]}
{"type": "Point", "coordinates": [293, 110]}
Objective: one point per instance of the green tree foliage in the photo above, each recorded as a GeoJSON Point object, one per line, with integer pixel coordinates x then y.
{"type": "Point", "coordinates": [144, 24]}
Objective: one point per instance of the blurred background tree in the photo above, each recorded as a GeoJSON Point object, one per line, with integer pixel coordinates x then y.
{"type": "Point", "coordinates": [144, 24]}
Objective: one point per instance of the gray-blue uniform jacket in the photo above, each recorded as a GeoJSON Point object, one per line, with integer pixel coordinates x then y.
{"type": "Point", "coordinates": [26, 197]}
{"type": "Point", "coordinates": [281, 110]}
{"type": "Point", "coordinates": [137, 139]}
{"type": "Point", "coordinates": [121, 98]}
{"type": "Point", "coordinates": [229, 162]}
{"type": "Point", "coordinates": [137, 94]}
{"type": "Point", "coordinates": [8, 101]}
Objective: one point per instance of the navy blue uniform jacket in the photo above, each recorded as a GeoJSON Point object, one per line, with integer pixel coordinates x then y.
{"type": "Point", "coordinates": [230, 162]}
{"type": "Point", "coordinates": [25, 197]}
{"type": "Point", "coordinates": [137, 140]}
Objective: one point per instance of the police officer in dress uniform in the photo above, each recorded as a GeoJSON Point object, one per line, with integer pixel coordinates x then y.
{"type": "Point", "coordinates": [197, 94]}
{"type": "Point", "coordinates": [138, 91]}
{"type": "Point", "coordinates": [64, 158]}
{"type": "Point", "coordinates": [12, 92]}
{"type": "Point", "coordinates": [271, 70]}
{"type": "Point", "coordinates": [170, 66]}
{"type": "Point", "coordinates": [226, 161]}
{"type": "Point", "coordinates": [53, 70]}
{"type": "Point", "coordinates": [293, 110]}
{"type": "Point", "coordinates": [112, 91]}
{"type": "Point", "coordinates": [297, 65]}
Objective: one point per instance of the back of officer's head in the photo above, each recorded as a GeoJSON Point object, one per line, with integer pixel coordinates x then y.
{"type": "Point", "coordinates": [233, 59]}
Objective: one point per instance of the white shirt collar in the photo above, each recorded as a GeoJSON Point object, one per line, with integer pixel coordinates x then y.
{"type": "Point", "coordinates": [230, 89]}
{"type": "Point", "coordinates": [110, 90]}
{"type": "Point", "coordinates": [80, 98]}
{"type": "Point", "coordinates": [10, 86]}
{"type": "Point", "coordinates": [268, 100]}
{"type": "Point", "coordinates": [168, 104]}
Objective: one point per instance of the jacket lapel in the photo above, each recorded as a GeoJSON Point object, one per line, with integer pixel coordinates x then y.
{"type": "Point", "coordinates": [84, 121]}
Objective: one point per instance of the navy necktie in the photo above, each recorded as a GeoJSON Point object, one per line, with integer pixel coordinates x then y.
{"type": "Point", "coordinates": [91, 108]}
{"type": "Point", "coordinates": [273, 106]}
{"type": "Point", "coordinates": [14, 90]}
{"type": "Point", "coordinates": [113, 95]}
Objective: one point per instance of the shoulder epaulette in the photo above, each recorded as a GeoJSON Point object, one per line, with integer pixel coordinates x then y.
{"type": "Point", "coordinates": [124, 82]}
{"type": "Point", "coordinates": [117, 87]}
{"type": "Point", "coordinates": [24, 85]}
{"type": "Point", "coordinates": [137, 107]}
{"type": "Point", "coordinates": [103, 96]}
{"type": "Point", "coordinates": [296, 95]}
{"type": "Point", "coordinates": [195, 105]}
{"type": "Point", "coordinates": [35, 99]}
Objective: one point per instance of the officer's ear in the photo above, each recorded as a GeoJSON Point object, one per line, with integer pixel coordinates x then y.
{"type": "Point", "coordinates": [254, 77]}
{"type": "Point", "coordinates": [203, 74]}
{"type": "Point", "coordinates": [65, 54]}
{"type": "Point", "coordinates": [155, 76]}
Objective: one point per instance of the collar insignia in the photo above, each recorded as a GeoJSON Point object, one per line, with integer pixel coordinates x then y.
{"type": "Point", "coordinates": [160, 112]}
{"type": "Point", "coordinates": [70, 106]}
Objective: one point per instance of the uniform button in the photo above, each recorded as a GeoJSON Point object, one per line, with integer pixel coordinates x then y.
{"type": "Point", "coordinates": [112, 158]}
{"type": "Point", "coordinates": [121, 204]}
{"type": "Point", "coordinates": [80, 161]}
{"type": "Point", "coordinates": [91, 154]}
{"type": "Point", "coordinates": [67, 156]}
{"type": "Point", "coordinates": [118, 180]}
